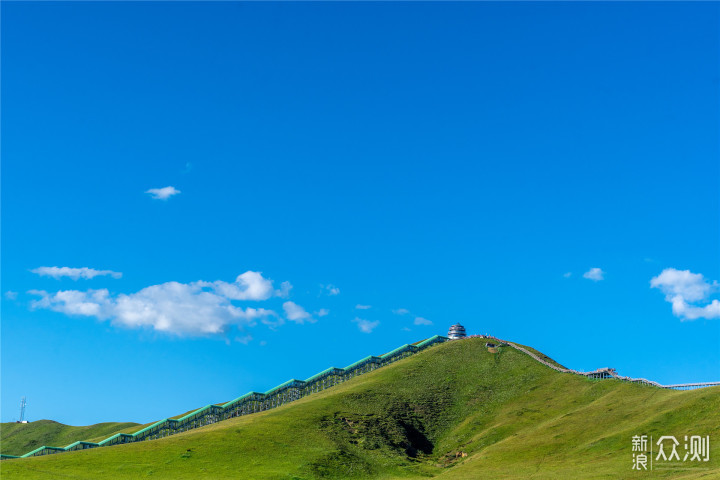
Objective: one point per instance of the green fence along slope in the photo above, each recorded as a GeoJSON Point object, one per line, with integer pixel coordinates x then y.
{"type": "Point", "coordinates": [249, 403]}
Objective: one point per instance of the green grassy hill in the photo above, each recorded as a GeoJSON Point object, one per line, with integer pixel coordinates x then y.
{"type": "Point", "coordinates": [20, 438]}
{"type": "Point", "coordinates": [454, 411]}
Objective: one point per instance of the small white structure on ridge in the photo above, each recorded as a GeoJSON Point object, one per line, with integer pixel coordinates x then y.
{"type": "Point", "coordinates": [456, 332]}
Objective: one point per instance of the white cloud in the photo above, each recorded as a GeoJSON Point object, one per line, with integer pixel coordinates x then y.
{"type": "Point", "coordinates": [182, 308]}
{"type": "Point", "coordinates": [691, 286]}
{"type": "Point", "coordinates": [567, 275]}
{"type": "Point", "coordinates": [10, 295]}
{"type": "Point", "coordinates": [162, 193]}
{"type": "Point", "coordinates": [332, 290]}
{"type": "Point", "coordinates": [401, 311]}
{"type": "Point", "coordinates": [366, 326]}
{"type": "Point", "coordinates": [74, 273]}
{"type": "Point", "coordinates": [91, 303]}
{"type": "Point", "coordinates": [244, 340]}
{"type": "Point", "coordinates": [296, 313]}
{"type": "Point", "coordinates": [595, 274]}
{"type": "Point", "coordinates": [682, 288]}
{"type": "Point", "coordinates": [692, 312]}
{"type": "Point", "coordinates": [363, 307]}
{"type": "Point", "coordinates": [284, 290]}
{"type": "Point", "coordinates": [322, 312]}
{"type": "Point", "coordinates": [185, 309]}
{"type": "Point", "coordinates": [247, 286]}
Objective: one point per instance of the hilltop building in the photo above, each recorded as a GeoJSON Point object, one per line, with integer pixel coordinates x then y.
{"type": "Point", "coordinates": [456, 332]}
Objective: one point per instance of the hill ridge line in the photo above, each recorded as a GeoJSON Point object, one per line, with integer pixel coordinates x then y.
{"type": "Point", "coordinates": [254, 402]}
{"type": "Point", "coordinates": [606, 372]}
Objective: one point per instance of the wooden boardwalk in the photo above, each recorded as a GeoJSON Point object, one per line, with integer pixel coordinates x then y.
{"type": "Point", "coordinates": [601, 373]}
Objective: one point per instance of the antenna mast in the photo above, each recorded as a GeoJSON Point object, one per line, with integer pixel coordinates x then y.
{"type": "Point", "coordinates": [22, 410]}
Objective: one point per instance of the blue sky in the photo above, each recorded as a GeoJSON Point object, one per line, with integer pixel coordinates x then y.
{"type": "Point", "coordinates": [402, 166]}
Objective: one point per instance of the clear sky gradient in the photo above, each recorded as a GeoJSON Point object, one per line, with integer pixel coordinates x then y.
{"type": "Point", "coordinates": [403, 166]}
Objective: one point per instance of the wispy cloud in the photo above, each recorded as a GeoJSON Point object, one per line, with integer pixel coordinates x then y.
{"type": "Point", "coordinates": [162, 193]}
{"type": "Point", "coordinates": [10, 295]}
{"type": "Point", "coordinates": [366, 326]}
{"type": "Point", "coordinates": [296, 313]}
{"type": "Point", "coordinates": [273, 321]}
{"type": "Point", "coordinates": [322, 312]}
{"type": "Point", "coordinates": [284, 290]}
{"type": "Point", "coordinates": [363, 307]}
{"type": "Point", "coordinates": [687, 292]}
{"type": "Point", "coordinates": [186, 309]}
{"type": "Point", "coordinates": [74, 273]}
{"type": "Point", "coordinates": [567, 274]}
{"type": "Point", "coordinates": [595, 274]}
{"type": "Point", "coordinates": [330, 289]}
{"type": "Point", "coordinates": [416, 321]}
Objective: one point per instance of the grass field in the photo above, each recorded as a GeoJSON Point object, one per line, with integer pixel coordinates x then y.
{"type": "Point", "coordinates": [454, 411]}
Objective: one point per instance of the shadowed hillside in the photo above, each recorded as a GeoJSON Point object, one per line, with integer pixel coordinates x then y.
{"type": "Point", "coordinates": [455, 410]}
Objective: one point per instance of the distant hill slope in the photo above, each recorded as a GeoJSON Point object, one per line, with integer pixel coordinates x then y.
{"type": "Point", "coordinates": [20, 438]}
{"type": "Point", "coordinates": [455, 411]}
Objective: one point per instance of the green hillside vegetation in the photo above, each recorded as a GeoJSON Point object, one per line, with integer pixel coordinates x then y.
{"type": "Point", "coordinates": [455, 411]}
{"type": "Point", "coordinates": [20, 438]}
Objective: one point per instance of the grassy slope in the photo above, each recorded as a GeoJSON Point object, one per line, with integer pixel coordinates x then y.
{"type": "Point", "coordinates": [513, 417]}
{"type": "Point", "coordinates": [20, 438]}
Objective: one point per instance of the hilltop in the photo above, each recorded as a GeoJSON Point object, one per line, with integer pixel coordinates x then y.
{"type": "Point", "coordinates": [455, 410]}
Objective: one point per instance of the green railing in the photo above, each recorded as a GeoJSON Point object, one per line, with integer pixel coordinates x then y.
{"type": "Point", "coordinates": [249, 403]}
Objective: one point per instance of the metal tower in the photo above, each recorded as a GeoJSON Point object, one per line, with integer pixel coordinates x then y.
{"type": "Point", "coordinates": [22, 410]}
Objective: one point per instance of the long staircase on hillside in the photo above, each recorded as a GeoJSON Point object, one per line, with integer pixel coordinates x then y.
{"type": "Point", "coordinates": [249, 403]}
